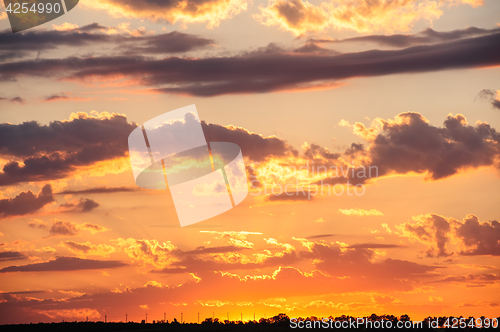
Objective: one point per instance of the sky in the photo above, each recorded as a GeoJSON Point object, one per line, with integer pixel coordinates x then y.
{"type": "Point", "coordinates": [315, 93]}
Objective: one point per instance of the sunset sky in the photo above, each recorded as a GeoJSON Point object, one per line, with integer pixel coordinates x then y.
{"type": "Point", "coordinates": [409, 87]}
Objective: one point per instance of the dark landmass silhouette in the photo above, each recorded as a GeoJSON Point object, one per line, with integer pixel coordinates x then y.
{"type": "Point", "coordinates": [277, 323]}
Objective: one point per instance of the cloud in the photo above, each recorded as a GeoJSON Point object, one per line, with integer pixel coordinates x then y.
{"type": "Point", "coordinates": [427, 36]}
{"type": "Point", "coordinates": [320, 236]}
{"type": "Point", "coordinates": [17, 100]}
{"type": "Point", "coordinates": [63, 97]}
{"type": "Point", "coordinates": [291, 196]}
{"type": "Point", "coordinates": [409, 143]}
{"type": "Point", "coordinates": [12, 256]}
{"type": "Point", "coordinates": [214, 250]}
{"type": "Point", "coordinates": [64, 264]}
{"type": "Point", "coordinates": [479, 238]}
{"type": "Point", "coordinates": [26, 202]}
{"type": "Point", "coordinates": [83, 205]}
{"type": "Point", "coordinates": [300, 16]}
{"type": "Point", "coordinates": [59, 149]}
{"type": "Point", "coordinates": [63, 228]}
{"type": "Point", "coordinates": [253, 146]}
{"type": "Point", "coordinates": [53, 151]}
{"type": "Point", "coordinates": [263, 72]}
{"type": "Point", "coordinates": [87, 248]}
{"type": "Point", "coordinates": [98, 190]}
{"type": "Point", "coordinates": [376, 246]}
{"type": "Point", "coordinates": [210, 11]}
{"type": "Point", "coordinates": [93, 228]}
{"type": "Point", "coordinates": [473, 236]}
{"type": "Point", "coordinates": [360, 212]}
{"type": "Point", "coordinates": [21, 45]}
{"type": "Point", "coordinates": [491, 96]}
{"type": "Point", "coordinates": [475, 280]}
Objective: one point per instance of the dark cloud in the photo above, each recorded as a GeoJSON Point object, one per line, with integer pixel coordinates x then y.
{"type": "Point", "coordinates": [173, 42]}
{"type": "Point", "coordinates": [291, 196]}
{"type": "Point", "coordinates": [84, 205]}
{"type": "Point", "coordinates": [56, 97]}
{"type": "Point", "coordinates": [63, 228]}
{"type": "Point", "coordinates": [17, 100]}
{"type": "Point", "coordinates": [20, 45]}
{"type": "Point", "coordinates": [313, 151]}
{"type": "Point", "coordinates": [99, 190]}
{"type": "Point", "coordinates": [311, 47]}
{"type": "Point", "coordinates": [64, 264]}
{"type": "Point", "coordinates": [412, 144]}
{"type": "Point", "coordinates": [93, 227]}
{"type": "Point", "coordinates": [26, 202]}
{"type": "Point", "coordinates": [264, 72]}
{"type": "Point", "coordinates": [22, 292]}
{"type": "Point", "coordinates": [427, 36]}
{"type": "Point", "coordinates": [480, 238]}
{"type": "Point", "coordinates": [253, 146]}
{"type": "Point", "coordinates": [78, 246]}
{"type": "Point", "coordinates": [473, 236]}
{"type": "Point", "coordinates": [12, 256]}
{"type": "Point", "coordinates": [475, 280]}
{"type": "Point", "coordinates": [312, 237]}
{"type": "Point", "coordinates": [489, 96]}
{"type": "Point", "coordinates": [55, 150]}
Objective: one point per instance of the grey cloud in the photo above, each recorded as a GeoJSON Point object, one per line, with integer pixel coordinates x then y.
{"type": "Point", "coordinates": [26, 202]}
{"type": "Point", "coordinates": [64, 264]}
{"type": "Point", "coordinates": [264, 72]}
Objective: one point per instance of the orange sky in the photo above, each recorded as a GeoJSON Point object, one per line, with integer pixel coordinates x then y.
{"type": "Point", "coordinates": [410, 90]}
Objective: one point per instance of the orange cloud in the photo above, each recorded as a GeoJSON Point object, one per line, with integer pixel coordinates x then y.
{"type": "Point", "coordinates": [301, 16]}
{"type": "Point", "coordinates": [360, 212]}
{"type": "Point", "coordinates": [212, 11]}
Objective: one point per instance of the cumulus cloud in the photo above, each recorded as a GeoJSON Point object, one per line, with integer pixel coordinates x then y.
{"type": "Point", "coordinates": [64, 264]}
{"type": "Point", "coordinates": [253, 146]}
{"type": "Point", "coordinates": [26, 202]}
{"type": "Point", "coordinates": [63, 228]}
{"type": "Point", "coordinates": [53, 151]}
{"type": "Point", "coordinates": [437, 232]}
{"type": "Point", "coordinates": [300, 16]}
{"type": "Point", "coordinates": [259, 73]}
{"type": "Point", "coordinates": [409, 143]}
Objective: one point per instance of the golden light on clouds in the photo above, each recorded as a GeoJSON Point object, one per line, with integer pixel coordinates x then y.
{"type": "Point", "coordinates": [360, 212]}
{"type": "Point", "coordinates": [211, 12]}
{"type": "Point", "coordinates": [300, 16]}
